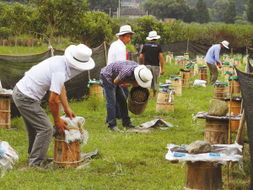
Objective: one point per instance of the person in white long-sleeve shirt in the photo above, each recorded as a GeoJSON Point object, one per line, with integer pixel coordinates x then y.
{"type": "Point", "coordinates": [212, 59]}
{"type": "Point", "coordinates": [117, 53]}
{"type": "Point", "coordinates": [117, 50]}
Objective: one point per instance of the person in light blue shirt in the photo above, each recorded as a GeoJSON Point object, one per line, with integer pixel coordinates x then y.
{"type": "Point", "coordinates": [212, 59]}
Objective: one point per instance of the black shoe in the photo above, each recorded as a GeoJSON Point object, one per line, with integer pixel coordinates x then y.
{"type": "Point", "coordinates": [129, 126]}
{"type": "Point", "coordinates": [114, 128]}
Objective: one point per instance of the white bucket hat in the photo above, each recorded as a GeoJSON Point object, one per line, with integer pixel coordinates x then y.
{"type": "Point", "coordinates": [152, 35]}
{"type": "Point", "coordinates": [126, 29]}
{"type": "Point", "coordinates": [225, 44]}
{"type": "Point", "coordinates": [79, 57]}
{"type": "Point", "coordinates": [143, 76]}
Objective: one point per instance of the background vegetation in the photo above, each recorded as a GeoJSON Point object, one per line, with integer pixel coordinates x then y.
{"type": "Point", "coordinates": [57, 21]}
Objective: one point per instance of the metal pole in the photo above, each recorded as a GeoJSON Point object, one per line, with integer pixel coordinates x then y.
{"type": "Point", "coordinates": [119, 9]}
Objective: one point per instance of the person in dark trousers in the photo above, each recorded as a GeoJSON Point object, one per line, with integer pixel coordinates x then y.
{"type": "Point", "coordinates": [152, 56]}
{"type": "Point", "coordinates": [49, 75]}
{"type": "Point", "coordinates": [114, 77]}
{"type": "Point", "coordinates": [212, 59]}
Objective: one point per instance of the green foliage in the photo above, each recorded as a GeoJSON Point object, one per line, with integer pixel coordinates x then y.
{"type": "Point", "coordinates": [95, 28]}
{"type": "Point", "coordinates": [230, 12]}
{"type": "Point", "coordinates": [61, 16]}
{"type": "Point", "coordinates": [250, 10]}
{"type": "Point", "coordinates": [104, 5]}
{"type": "Point", "coordinates": [202, 15]}
{"type": "Point", "coordinates": [167, 8]}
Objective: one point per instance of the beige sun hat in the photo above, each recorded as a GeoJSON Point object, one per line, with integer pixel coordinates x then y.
{"type": "Point", "coordinates": [79, 57]}
{"type": "Point", "coordinates": [152, 35]}
{"type": "Point", "coordinates": [225, 44]}
{"type": "Point", "coordinates": [143, 76]}
{"type": "Point", "coordinates": [125, 29]}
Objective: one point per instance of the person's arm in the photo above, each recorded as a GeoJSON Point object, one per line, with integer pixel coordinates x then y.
{"type": "Point", "coordinates": [54, 100]}
{"type": "Point", "coordinates": [64, 101]}
{"type": "Point", "coordinates": [161, 60]}
{"type": "Point", "coordinates": [141, 59]}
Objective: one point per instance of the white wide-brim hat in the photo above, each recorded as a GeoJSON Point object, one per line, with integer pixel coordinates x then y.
{"type": "Point", "coordinates": [152, 35]}
{"type": "Point", "coordinates": [126, 29]}
{"type": "Point", "coordinates": [79, 57]}
{"type": "Point", "coordinates": [143, 76]}
{"type": "Point", "coordinates": [225, 44]}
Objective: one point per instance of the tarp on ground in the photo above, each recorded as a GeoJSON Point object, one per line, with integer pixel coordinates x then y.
{"type": "Point", "coordinates": [246, 85]}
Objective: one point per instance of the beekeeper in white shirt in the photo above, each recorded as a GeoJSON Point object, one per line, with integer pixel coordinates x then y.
{"type": "Point", "coordinates": [49, 75]}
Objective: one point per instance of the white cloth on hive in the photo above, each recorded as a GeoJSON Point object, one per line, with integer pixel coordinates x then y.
{"type": "Point", "coordinates": [7, 157]}
{"type": "Point", "coordinates": [199, 83]}
{"type": "Point", "coordinates": [75, 130]}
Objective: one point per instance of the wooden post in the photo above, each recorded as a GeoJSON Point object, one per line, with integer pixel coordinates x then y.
{"type": "Point", "coordinates": [5, 111]}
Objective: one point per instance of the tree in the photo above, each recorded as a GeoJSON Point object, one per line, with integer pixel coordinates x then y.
{"type": "Point", "coordinates": [19, 16]}
{"type": "Point", "coordinates": [218, 10]}
{"type": "Point", "coordinates": [250, 11]}
{"type": "Point", "coordinates": [104, 5]}
{"type": "Point", "coordinates": [62, 17]}
{"type": "Point", "coordinates": [166, 8]}
{"type": "Point", "coordinates": [95, 28]}
{"type": "Point", "coordinates": [230, 12]}
{"type": "Point", "coordinates": [202, 15]}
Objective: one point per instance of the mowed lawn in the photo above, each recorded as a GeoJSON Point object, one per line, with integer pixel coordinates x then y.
{"type": "Point", "coordinates": [131, 161]}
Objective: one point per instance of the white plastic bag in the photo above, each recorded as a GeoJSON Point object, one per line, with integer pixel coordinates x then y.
{"type": "Point", "coordinates": [199, 83]}
{"type": "Point", "coordinates": [7, 157]}
{"type": "Point", "coordinates": [75, 130]}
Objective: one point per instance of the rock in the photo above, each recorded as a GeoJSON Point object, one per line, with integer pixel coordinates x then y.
{"type": "Point", "coordinates": [218, 108]}
{"type": "Point", "coordinates": [199, 147]}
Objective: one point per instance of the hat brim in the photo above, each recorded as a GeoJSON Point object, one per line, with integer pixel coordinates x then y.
{"type": "Point", "coordinates": [153, 38]}
{"type": "Point", "coordinates": [90, 64]}
{"type": "Point", "coordinates": [138, 80]}
{"type": "Point", "coordinates": [225, 46]}
{"type": "Point", "coordinates": [122, 33]}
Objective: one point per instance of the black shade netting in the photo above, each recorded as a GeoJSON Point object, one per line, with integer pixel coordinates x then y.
{"type": "Point", "coordinates": [246, 85]}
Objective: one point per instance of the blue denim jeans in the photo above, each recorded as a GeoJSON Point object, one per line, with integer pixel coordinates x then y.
{"type": "Point", "coordinates": [115, 94]}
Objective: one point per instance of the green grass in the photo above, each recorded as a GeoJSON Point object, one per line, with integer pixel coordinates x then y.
{"type": "Point", "coordinates": [126, 160]}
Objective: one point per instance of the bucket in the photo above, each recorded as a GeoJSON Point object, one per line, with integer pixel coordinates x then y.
{"type": "Point", "coordinates": [164, 102]}
{"type": "Point", "coordinates": [95, 89]}
{"type": "Point", "coordinates": [66, 155]}
{"type": "Point", "coordinates": [138, 100]}
{"type": "Point", "coordinates": [216, 131]}
{"type": "Point", "coordinates": [220, 90]}
{"type": "Point", "coordinates": [5, 111]}
{"type": "Point", "coordinates": [185, 75]}
{"type": "Point", "coordinates": [176, 85]}
{"type": "Point", "coordinates": [203, 73]}
{"type": "Point", "coordinates": [203, 176]}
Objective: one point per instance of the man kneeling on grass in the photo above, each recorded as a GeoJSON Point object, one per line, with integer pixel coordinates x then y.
{"type": "Point", "coordinates": [49, 75]}
{"type": "Point", "coordinates": [114, 77]}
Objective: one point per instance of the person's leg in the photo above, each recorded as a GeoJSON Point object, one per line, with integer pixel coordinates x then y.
{"type": "Point", "coordinates": [156, 74]}
{"type": "Point", "coordinates": [213, 73]}
{"type": "Point", "coordinates": [122, 100]}
{"type": "Point", "coordinates": [39, 128]}
{"type": "Point", "coordinates": [110, 96]}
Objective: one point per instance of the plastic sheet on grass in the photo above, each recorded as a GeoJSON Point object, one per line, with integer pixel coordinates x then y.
{"type": "Point", "coordinates": [221, 153]}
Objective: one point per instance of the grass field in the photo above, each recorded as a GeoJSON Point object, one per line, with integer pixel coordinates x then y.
{"type": "Point", "coordinates": [126, 160]}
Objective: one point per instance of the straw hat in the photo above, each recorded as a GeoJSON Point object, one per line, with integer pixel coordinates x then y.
{"type": "Point", "coordinates": [225, 44]}
{"type": "Point", "coordinates": [153, 36]}
{"type": "Point", "coordinates": [79, 57]}
{"type": "Point", "coordinates": [143, 76]}
{"type": "Point", "coordinates": [126, 29]}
